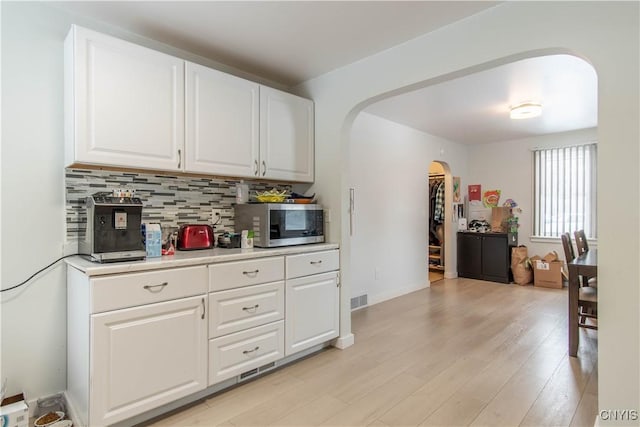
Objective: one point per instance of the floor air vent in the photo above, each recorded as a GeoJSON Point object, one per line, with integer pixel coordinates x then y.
{"type": "Point", "coordinates": [252, 373]}
{"type": "Point", "coordinates": [357, 302]}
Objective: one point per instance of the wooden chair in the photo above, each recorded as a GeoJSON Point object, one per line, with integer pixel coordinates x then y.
{"type": "Point", "coordinates": [569, 255]}
{"type": "Point", "coordinates": [587, 295]}
{"type": "Point", "coordinates": [582, 246]}
{"type": "Point", "coordinates": [581, 242]}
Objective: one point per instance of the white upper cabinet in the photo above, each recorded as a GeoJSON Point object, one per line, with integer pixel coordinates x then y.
{"type": "Point", "coordinates": [286, 136]}
{"type": "Point", "coordinates": [133, 107]}
{"type": "Point", "coordinates": [124, 102]}
{"type": "Point", "coordinates": [222, 123]}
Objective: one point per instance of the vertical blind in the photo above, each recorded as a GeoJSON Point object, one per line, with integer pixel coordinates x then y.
{"type": "Point", "coordinates": [565, 190]}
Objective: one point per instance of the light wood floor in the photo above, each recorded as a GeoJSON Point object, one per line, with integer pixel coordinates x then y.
{"type": "Point", "coordinates": [464, 352]}
{"type": "Point", "coordinates": [435, 275]}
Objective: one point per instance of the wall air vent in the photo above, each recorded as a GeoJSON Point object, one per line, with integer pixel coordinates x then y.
{"type": "Point", "coordinates": [357, 302]}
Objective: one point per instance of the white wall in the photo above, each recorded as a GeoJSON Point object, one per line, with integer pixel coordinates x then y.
{"type": "Point", "coordinates": [33, 317]}
{"type": "Point", "coordinates": [483, 41]}
{"type": "Point", "coordinates": [508, 166]}
{"type": "Point", "coordinates": [389, 172]}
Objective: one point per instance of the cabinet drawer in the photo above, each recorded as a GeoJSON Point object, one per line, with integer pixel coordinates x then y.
{"type": "Point", "coordinates": [231, 275]}
{"type": "Point", "coordinates": [312, 263]}
{"type": "Point", "coordinates": [238, 309]}
{"type": "Point", "coordinates": [132, 289]}
{"type": "Point", "coordinates": [234, 354]}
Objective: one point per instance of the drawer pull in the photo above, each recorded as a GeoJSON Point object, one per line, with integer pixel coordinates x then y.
{"type": "Point", "coordinates": [251, 309]}
{"type": "Point", "coordinates": [249, 273]}
{"type": "Point", "coordinates": [152, 288]}
{"type": "Point", "coordinates": [315, 262]}
{"type": "Point", "coordinates": [204, 309]}
{"type": "Point", "coordinates": [251, 351]}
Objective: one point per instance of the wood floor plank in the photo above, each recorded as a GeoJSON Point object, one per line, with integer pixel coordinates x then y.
{"type": "Point", "coordinates": [587, 410]}
{"type": "Point", "coordinates": [226, 405]}
{"type": "Point", "coordinates": [367, 409]}
{"type": "Point", "coordinates": [313, 413]}
{"type": "Point", "coordinates": [511, 404]}
{"type": "Point", "coordinates": [424, 401]}
{"type": "Point", "coordinates": [559, 399]}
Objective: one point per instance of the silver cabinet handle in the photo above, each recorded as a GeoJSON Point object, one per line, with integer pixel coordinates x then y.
{"type": "Point", "coordinates": [251, 351]}
{"type": "Point", "coordinates": [249, 273]}
{"type": "Point", "coordinates": [264, 168]}
{"type": "Point", "coordinates": [315, 262]}
{"type": "Point", "coordinates": [204, 309]}
{"type": "Point", "coordinates": [255, 168]}
{"type": "Point", "coordinates": [251, 309]}
{"type": "Point", "coordinates": [156, 288]}
{"type": "Point", "coordinates": [179, 158]}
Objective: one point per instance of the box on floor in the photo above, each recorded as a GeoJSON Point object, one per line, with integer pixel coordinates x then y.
{"type": "Point", "coordinates": [547, 271]}
{"type": "Point", "coordinates": [14, 412]}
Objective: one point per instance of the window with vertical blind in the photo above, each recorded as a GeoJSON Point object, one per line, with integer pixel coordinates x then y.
{"type": "Point", "coordinates": [565, 190]}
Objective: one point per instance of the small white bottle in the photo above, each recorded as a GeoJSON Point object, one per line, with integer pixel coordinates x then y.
{"type": "Point", "coordinates": [242, 193]}
{"type": "Point", "coordinates": [244, 236]}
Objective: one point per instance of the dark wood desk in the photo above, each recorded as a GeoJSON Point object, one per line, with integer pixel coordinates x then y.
{"type": "Point", "coordinates": [584, 265]}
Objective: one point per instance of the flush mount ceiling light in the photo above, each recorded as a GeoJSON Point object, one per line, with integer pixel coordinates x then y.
{"type": "Point", "coordinates": [525, 110]}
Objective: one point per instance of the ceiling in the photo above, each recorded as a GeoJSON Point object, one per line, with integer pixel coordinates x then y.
{"type": "Point", "coordinates": [289, 42]}
{"type": "Point", "coordinates": [475, 109]}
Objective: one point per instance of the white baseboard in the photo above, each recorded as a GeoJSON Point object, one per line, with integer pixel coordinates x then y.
{"type": "Point", "coordinates": [376, 299]}
{"type": "Point", "coordinates": [344, 341]}
{"type": "Point", "coordinates": [450, 274]}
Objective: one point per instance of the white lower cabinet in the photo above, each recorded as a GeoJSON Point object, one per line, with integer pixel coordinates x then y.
{"type": "Point", "coordinates": [312, 307]}
{"type": "Point", "coordinates": [137, 341]}
{"type": "Point", "coordinates": [144, 357]}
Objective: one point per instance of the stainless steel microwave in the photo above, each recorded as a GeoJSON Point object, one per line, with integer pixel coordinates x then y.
{"type": "Point", "coordinates": [281, 224]}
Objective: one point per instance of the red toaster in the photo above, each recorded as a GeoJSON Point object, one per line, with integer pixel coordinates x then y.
{"type": "Point", "coordinates": [195, 236]}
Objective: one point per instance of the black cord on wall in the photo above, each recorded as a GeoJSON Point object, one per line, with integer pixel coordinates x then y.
{"type": "Point", "coordinates": [38, 272]}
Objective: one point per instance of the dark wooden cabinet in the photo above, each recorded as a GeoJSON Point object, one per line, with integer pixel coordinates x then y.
{"type": "Point", "coordinates": [486, 256]}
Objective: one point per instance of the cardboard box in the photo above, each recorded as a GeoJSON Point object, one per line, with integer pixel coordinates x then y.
{"type": "Point", "coordinates": [547, 271]}
{"type": "Point", "coordinates": [152, 234]}
{"type": "Point", "coordinates": [14, 412]}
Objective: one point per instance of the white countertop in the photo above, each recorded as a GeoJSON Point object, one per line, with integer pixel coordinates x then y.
{"type": "Point", "coordinates": [189, 258]}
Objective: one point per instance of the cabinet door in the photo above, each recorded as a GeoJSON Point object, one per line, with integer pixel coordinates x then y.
{"type": "Point", "coordinates": [469, 255]}
{"type": "Point", "coordinates": [312, 311]}
{"type": "Point", "coordinates": [145, 357]}
{"type": "Point", "coordinates": [286, 136]}
{"type": "Point", "coordinates": [125, 102]}
{"type": "Point", "coordinates": [222, 123]}
{"type": "Point", "coordinates": [495, 258]}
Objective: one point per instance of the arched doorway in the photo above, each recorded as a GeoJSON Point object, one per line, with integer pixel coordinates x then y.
{"type": "Point", "coordinates": [439, 228]}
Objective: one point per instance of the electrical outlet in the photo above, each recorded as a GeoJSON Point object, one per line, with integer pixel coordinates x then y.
{"type": "Point", "coordinates": [216, 216]}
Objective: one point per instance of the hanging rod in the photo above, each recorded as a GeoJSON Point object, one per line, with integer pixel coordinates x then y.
{"type": "Point", "coordinates": [436, 176]}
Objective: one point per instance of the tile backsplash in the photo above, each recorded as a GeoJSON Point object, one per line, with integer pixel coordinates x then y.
{"type": "Point", "coordinates": [167, 199]}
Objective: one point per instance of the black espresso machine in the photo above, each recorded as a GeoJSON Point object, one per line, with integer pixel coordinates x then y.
{"type": "Point", "coordinates": [113, 228]}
